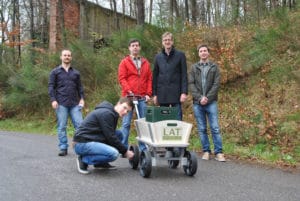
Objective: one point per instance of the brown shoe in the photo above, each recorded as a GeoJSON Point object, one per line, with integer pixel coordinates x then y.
{"type": "Point", "coordinates": [220, 157]}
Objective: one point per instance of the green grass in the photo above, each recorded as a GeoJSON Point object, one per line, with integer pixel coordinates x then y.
{"type": "Point", "coordinates": [25, 125]}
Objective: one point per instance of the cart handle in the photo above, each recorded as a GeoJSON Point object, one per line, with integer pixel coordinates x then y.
{"type": "Point", "coordinates": [134, 97]}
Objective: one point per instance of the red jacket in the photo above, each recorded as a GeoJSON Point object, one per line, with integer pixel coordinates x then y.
{"type": "Point", "coordinates": [133, 81]}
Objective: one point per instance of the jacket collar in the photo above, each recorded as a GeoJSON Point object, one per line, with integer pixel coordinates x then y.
{"type": "Point", "coordinates": [209, 63]}
{"type": "Point", "coordinates": [171, 52]}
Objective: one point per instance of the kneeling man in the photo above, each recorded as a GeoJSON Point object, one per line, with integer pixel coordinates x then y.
{"type": "Point", "coordinates": [96, 141]}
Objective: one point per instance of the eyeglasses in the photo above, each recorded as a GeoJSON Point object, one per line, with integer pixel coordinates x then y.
{"type": "Point", "coordinates": [167, 39]}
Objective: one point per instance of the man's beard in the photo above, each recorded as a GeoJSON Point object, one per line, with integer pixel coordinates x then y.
{"type": "Point", "coordinates": [67, 61]}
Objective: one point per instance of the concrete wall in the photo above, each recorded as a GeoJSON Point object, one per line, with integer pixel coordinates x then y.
{"type": "Point", "coordinates": [102, 21]}
{"type": "Point", "coordinates": [83, 19]}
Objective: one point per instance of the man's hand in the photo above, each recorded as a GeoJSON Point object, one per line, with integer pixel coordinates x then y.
{"type": "Point", "coordinates": [129, 154]}
{"type": "Point", "coordinates": [54, 104]}
{"type": "Point", "coordinates": [183, 98]}
{"type": "Point", "coordinates": [203, 100]}
{"type": "Point", "coordinates": [147, 98]}
{"type": "Point", "coordinates": [81, 103]}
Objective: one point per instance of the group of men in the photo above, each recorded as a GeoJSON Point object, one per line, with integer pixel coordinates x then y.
{"type": "Point", "coordinates": [97, 141]}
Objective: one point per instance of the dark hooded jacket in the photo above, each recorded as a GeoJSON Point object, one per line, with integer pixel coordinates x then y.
{"type": "Point", "coordinates": [100, 126]}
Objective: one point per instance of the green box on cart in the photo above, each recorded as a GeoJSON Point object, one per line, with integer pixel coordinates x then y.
{"type": "Point", "coordinates": [154, 113]}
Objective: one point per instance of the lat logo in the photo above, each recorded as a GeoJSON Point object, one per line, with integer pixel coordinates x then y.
{"type": "Point", "coordinates": [172, 133]}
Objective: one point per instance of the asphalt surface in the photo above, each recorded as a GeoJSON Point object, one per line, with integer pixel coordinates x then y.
{"type": "Point", "coordinates": [30, 170]}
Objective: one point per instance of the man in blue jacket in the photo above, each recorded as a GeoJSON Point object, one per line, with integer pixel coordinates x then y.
{"type": "Point", "coordinates": [96, 141]}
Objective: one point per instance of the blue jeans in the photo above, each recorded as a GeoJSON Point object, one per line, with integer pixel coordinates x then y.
{"type": "Point", "coordinates": [126, 121]}
{"type": "Point", "coordinates": [62, 114]}
{"type": "Point", "coordinates": [178, 106]}
{"type": "Point", "coordinates": [96, 152]}
{"type": "Point", "coordinates": [209, 111]}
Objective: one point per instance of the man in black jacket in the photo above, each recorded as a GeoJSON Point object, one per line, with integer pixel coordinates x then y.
{"type": "Point", "coordinates": [96, 141]}
{"type": "Point", "coordinates": [169, 83]}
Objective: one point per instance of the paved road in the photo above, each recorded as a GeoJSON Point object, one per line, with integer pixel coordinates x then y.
{"type": "Point", "coordinates": [30, 170]}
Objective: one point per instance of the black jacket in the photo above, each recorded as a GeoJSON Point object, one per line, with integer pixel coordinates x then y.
{"type": "Point", "coordinates": [100, 126]}
{"type": "Point", "coordinates": [169, 76]}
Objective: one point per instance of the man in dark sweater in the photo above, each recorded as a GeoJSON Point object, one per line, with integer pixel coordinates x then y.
{"type": "Point", "coordinates": [96, 141]}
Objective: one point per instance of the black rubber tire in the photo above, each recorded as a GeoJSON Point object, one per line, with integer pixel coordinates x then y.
{"type": "Point", "coordinates": [145, 164]}
{"type": "Point", "coordinates": [192, 164]}
{"type": "Point", "coordinates": [134, 162]}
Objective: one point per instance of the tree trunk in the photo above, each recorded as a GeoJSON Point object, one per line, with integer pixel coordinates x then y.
{"type": "Point", "coordinates": [171, 13]}
{"type": "Point", "coordinates": [123, 7]}
{"type": "Point", "coordinates": [16, 38]}
{"type": "Point", "coordinates": [131, 8]}
{"type": "Point", "coordinates": [235, 4]}
{"type": "Point", "coordinates": [186, 11]}
{"type": "Point", "coordinates": [2, 21]}
{"type": "Point", "coordinates": [150, 11]}
{"type": "Point", "coordinates": [202, 13]}
{"type": "Point", "coordinates": [140, 12]}
{"type": "Point", "coordinates": [32, 31]}
{"type": "Point", "coordinates": [194, 11]}
{"type": "Point", "coordinates": [208, 13]}
{"type": "Point", "coordinates": [45, 25]}
{"type": "Point", "coordinates": [176, 9]}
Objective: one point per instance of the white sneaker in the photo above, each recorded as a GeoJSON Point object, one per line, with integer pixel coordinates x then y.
{"type": "Point", "coordinates": [220, 157]}
{"type": "Point", "coordinates": [205, 156]}
{"type": "Point", "coordinates": [81, 166]}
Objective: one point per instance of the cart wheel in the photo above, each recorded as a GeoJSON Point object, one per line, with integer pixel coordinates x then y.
{"type": "Point", "coordinates": [145, 164]}
{"type": "Point", "coordinates": [134, 162]}
{"type": "Point", "coordinates": [191, 167]}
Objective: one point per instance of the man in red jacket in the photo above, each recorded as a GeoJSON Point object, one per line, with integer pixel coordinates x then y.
{"type": "Point", "coordinates": [135, 77]}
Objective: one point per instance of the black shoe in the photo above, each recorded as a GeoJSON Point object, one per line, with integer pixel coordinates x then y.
{"type": "Point", "coordinates": [63, 152]}
{"type": "Point", "coordinates": [81, 166]}
{"type": "Point", "coordinates": [104, 166]}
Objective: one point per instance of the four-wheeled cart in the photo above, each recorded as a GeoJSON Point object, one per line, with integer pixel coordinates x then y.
{"type": "Point", "coordinates": [165, 140]}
